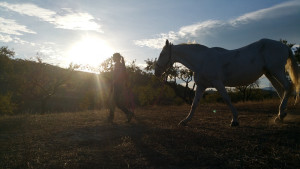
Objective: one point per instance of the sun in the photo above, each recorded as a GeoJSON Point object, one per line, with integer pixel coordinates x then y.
{"type": "Point", "coordinates": [90, 51]}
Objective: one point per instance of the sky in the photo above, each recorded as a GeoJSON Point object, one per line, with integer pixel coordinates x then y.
{"type": "Point", "coordinates": [89, 31]}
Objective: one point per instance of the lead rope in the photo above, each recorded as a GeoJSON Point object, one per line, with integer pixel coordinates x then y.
{"type": "Point", "coordinates": [164, 80]}
{"type": "Point", "coordinates": [163, 86]}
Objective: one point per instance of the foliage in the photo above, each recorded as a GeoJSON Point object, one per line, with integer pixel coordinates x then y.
{"type": "Point", "coordinates": [7, 53]}
{"type": "Point", "coordinates": [290, 45]}
{"type": "Point", "coordinates": [172, 73]}
{"type": "Point", "coordinates": [40, 81]}
{"type": "Point", "coordinates": [88, 102]}
{"type": "Point", "coordinates": [186, 75]}
{"type": "Point", "coordinates": [5, 69]}
{"type": "Point", "coordinates": [107, 65]}
{"type": "Point", "coordinates": [247, 90]}
{"type": "Point", "coordinates": [297, 54]}
{"type": "Point", "coordinates": [28, 82]}
{"type": "Point", "coordinates": [156, 93]}
{"type": "Point", "coordinates": [286, 43]}
{"type": "Point", "coordinates": [6, 104]}
{"type": "Point", "coordinates": [150, 65]}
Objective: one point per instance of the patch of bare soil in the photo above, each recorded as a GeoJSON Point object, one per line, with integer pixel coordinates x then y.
{"type": "Point", "coordinates": [153, 139]}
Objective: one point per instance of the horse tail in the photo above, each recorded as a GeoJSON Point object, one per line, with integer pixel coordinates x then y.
{"type": "Point", "coordinates": [293, 70]}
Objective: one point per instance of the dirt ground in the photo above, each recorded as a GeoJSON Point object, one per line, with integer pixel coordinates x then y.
{"type": "Point", "coordinates": [153, 139]}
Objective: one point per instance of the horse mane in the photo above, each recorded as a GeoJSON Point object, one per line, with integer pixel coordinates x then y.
{"type": "Point", "coordinates": [189, 43]}
{"type": "Point", "coordinates": [196, 45]}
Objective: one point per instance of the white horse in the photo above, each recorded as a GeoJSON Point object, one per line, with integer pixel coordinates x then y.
{"type": "Point", "coordinates": [218, 67]}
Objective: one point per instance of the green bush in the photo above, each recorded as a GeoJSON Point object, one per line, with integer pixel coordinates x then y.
{"type": "Point", "coordinates": [160, 95]}
{"type": "Point", "coordinates": [6, 104]}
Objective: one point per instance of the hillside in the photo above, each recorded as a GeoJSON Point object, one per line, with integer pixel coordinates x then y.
{"type": "Point", "coordinates": [38, 87]}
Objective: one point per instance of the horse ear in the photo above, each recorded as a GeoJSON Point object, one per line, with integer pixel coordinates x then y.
{"type": "Point", "coordinates": [167, 42]}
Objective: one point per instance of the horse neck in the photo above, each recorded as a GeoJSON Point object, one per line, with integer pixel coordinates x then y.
{"type": "Point", "coordinates": [181, 54]}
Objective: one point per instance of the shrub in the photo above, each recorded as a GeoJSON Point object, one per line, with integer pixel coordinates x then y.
{"type": "Point", "coordinates": [6, 104]}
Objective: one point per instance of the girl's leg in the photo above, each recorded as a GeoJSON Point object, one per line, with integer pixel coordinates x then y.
{"type": "Point", "coordinates": [112, 107]}
{"type": "Point", "coordinates": [128, 113]}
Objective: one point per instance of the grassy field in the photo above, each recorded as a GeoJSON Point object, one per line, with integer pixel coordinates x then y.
{"type": "Point", "coordinates": [153, 139]}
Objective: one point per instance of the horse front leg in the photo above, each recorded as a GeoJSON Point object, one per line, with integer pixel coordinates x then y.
{"type": "Point", "coordinates": [198, 95]}
{"type": "Point", "coordinates": [221, 89]}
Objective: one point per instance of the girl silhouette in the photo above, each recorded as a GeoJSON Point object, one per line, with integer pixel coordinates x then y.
{"type": "Point", "coordinates": [120, 91]}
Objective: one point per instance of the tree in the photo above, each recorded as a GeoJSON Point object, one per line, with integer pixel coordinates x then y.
{"type": "Point", "coordinates": [247, 90]}
{"type": "Point", "coordinates": [150, 65]}
{"type": "Point", "coordinates": [297, 54]}
{"type": "Point", "coordinates": [106, 65]}
{"type": "Point", "coordinates": [290, 45]}
{"type": "Point", "coordinates": [171, 73]}
{"type": "Point", "coordinates": [6, 104]}
{"type": "Point", "coordinates": [6, 70]}
{"type": "Point", "coordinates": [7, 53]}
{"type": "Point", "coordinates": [186, 75]}
{"type": "Point", "coordinates": [40, 81]}
{"type": "Point", "coordinates": [132, 67]}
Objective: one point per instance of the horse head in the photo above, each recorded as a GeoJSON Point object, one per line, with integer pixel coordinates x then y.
{"type": "Point", "coordinates": [164, 61]}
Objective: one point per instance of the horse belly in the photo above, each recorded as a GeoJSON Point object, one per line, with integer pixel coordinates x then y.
{"type": "Point", "coordinates": [242, 75]}
{"type": "Point", "coordinates": [241, 81]}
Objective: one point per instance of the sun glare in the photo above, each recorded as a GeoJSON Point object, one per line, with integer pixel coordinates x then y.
{"type": "Point", "coordinates": [90, 51]}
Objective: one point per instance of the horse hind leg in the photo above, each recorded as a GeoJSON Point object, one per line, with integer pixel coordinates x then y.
{"type": "Point", "coordinates": [278, 87]}
{"type": "Point", "coordinates": [288, 89]}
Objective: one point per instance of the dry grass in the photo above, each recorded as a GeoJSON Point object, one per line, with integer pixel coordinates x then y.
{"type": "Point", "coordinates": [153, 139]}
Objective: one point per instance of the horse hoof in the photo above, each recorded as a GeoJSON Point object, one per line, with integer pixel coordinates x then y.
{"type": "Point", "coordinates": [233, 124]}
{"type": "Point", "coordinates": [278, 120]}
{"type": "Point", "coordinates": [182, 123]}
{"type": "Point", "coordinates": [282, 116]}
{"type": "Point", "coordinates": [129, 117]}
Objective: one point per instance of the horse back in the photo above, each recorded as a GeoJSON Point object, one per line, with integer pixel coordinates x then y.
{"type": "Point", "coordinates": [246, 64]}
{"type": "Point", "coordinates": [274, 53]}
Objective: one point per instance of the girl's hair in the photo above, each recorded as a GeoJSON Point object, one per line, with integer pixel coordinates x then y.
{"type": "Point", "coordinates": [117, 57]}
{"type": "Point", "coordinates": [122, 59]}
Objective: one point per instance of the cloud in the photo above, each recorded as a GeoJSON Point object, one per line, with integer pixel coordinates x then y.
{"type": "Point", "coordinates": [9, 26]}
{"type": "Point", "coordinates": [204, 27]}
{"type": "Point", "coordinates": [51, 53]}
{"type": "Point", "coordinates": [14, 39]}
{"type": "Point", "coordinates": [21, 41]}
{"type": "Point", "coordinates": [282, 9]}
{"type": "Point", "coordinates": [65, 19]}
{"type": "Point", "coordinates": [213, 27]}
{"type": "Point", "coordinates": [10, 29]}
{"type": "Point", "coordinates": [5, 38]}
{"type": "Point", "coordinates": [157, 43]}
{"type": "Point", "coordinates": [194, 30]}
{"type": "Point", "coordinates": [77, 21]}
